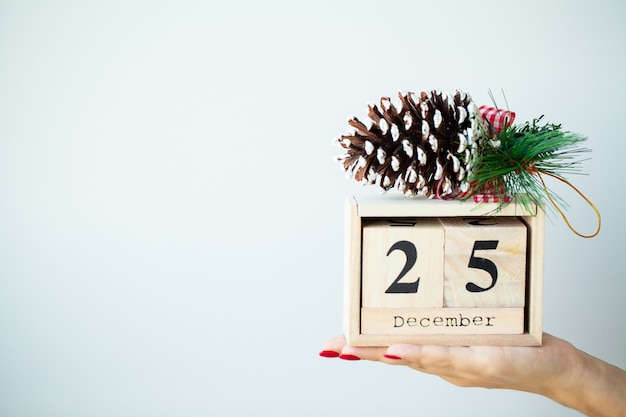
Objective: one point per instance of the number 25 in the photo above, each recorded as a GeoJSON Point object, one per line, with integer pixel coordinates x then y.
{"type": "Point", "coordinates": [475, 262]}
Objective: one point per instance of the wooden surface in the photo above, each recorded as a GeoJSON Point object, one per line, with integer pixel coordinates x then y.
{"type": "Point", "coordinates": [352, 274]}
{"type": "Point", "coordinates": [516, 307]}
{"type": "Point", "coordinates": [483, 253]}
{"type": "Point", "coordinates": [383, 264]}
{"type": "Point", "coordinates": [442, 321]}
{"type": "Point", "coordinates": [401, 206]}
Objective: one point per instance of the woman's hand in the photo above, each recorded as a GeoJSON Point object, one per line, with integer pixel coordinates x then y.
{"type": "Point", "coordinates": [556, 370]}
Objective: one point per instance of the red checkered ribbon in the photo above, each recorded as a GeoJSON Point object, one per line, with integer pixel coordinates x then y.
{"type": "Point", "coordinates": [490, 198]}
{"type": "Point", "coordinates": [489, 194]}
{"type": "Point", "coordinates": [496, 118]}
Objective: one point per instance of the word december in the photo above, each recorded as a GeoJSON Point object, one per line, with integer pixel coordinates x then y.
{"type": "Point", "coordinates": [461, 321]}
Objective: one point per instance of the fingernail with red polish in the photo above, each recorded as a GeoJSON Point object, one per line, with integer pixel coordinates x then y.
{"type": "Point", "coordinates": [349, 357]}
{"type": "Point", "coordinates": [394, 357]}
{"type": "Point", "coordinates": [329, 354]}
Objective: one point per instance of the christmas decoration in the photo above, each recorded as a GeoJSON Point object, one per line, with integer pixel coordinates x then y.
{"type": "Point", "coordinates": [421, 146]}
{"type": "Point", "coordinates": [439, 145]}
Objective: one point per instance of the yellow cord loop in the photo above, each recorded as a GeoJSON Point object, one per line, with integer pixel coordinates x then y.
{"type": "Point", "coordinates": [559, 209]}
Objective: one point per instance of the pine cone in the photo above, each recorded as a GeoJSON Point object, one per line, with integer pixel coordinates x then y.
{"type": "Point", "coordinates": [424, 146]}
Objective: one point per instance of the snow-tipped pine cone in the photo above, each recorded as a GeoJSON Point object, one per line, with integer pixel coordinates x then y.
{"type": "Point", "coordinates": [422, 145]}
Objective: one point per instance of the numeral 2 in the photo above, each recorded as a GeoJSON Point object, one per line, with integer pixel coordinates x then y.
{"type": "Point", "coordinates": [410, 251]}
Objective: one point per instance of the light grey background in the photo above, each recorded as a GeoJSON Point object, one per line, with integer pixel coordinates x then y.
{"type": "Point", "coordinates": [171, 220]}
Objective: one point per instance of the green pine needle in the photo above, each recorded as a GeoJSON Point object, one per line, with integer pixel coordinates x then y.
{"type": "Point", "coordinates": [511, 162]}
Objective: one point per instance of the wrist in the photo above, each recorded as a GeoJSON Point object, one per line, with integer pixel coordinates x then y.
{"type": "Point", "coordinates": [571, 387]}
{"type": "Point", "coordinates": [593, 387]}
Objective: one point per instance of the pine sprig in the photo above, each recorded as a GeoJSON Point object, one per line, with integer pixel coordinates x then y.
{"type": "Point", "coordinates": [511, 162]}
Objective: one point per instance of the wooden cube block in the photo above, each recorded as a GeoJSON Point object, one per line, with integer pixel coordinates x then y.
{"type": "Point", "coordinates": [400, 281]}
{"type": "Point", "coordinates": [485, 262]}
{"type": "Point", "coordinates": [402, 263]}
{"type": "Point", "coordinates": [444, 322]}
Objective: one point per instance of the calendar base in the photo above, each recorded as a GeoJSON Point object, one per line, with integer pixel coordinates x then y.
{"type": "Point", "coordinates": [435, 306]}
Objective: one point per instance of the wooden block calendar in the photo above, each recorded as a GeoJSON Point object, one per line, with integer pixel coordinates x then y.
{"type": "Point", "coordinates": [442, 272]}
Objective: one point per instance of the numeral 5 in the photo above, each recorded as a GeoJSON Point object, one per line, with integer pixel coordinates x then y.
{"type": "Point", "coordinates": [484, 264]}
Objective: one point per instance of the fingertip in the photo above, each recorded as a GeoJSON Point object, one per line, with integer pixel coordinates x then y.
{"type": "Point", "coordinates": [349, 357]}
{"type": "Point", "coordinates": [329, 354]}
{"type": "Point", "coordinates": [403, 350]}
{"type": "Point", "coordinates": [332, 347]}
